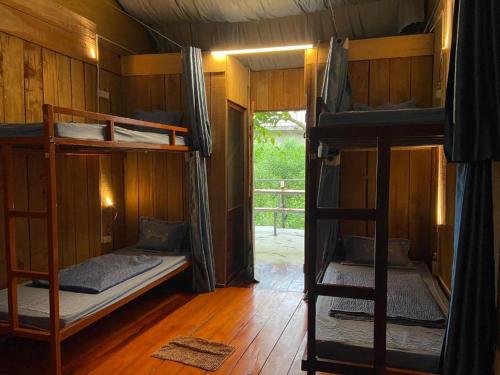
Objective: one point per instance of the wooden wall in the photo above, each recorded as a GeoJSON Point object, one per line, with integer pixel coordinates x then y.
{"type": "Point", "coordinates": [154, 182]}
{"type": "Point", "coordinates": [155, 82]}
{"type": "Point", "coordinates": [413, 178]}
{"type": "Point", "coordinates": [31, 75]}
{"type": "Point", "coordinates": [112, 23]}
{"type": "Point", "coordinates": [278, 90]}
{"type": "Point", "coordinates": [405, 73]}
{"type": "Point", "coordinates": [164, 91]}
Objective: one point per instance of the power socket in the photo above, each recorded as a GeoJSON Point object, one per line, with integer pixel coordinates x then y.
{"type": "Point", "coordinates": [106, 239]}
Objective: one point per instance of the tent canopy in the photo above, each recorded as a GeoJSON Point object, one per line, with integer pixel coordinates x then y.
{"type": "Point", "coordinates": [230, 24]}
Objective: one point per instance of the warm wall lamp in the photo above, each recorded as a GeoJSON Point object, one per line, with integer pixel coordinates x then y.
{"type": "Point", "coordinates": [261, 50]}
{"type": "Point", "coordinates": [109, 216]}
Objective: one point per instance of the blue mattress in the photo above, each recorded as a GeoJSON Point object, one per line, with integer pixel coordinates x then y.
{"type": "Point", "coordinates": [34, 302]}
{"type": "Point", "coordinates": [386, 117]}
{"type": "Point", "coordinates": [92, 132]}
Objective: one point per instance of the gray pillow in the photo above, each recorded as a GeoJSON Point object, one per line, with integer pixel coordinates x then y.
{"type": "Point", "coordinates": [361, 250]}
{"type": "Point", "coordinates": [161, 235]}
{"type": "Point", "coordinates": [384, 107]}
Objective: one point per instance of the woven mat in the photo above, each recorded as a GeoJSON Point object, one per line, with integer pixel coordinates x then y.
{"type": "Point", "coordinates": [193, 351]}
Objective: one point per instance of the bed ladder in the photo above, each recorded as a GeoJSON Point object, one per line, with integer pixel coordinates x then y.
{"type": "Point", "coordinates": [378, 294]}
{"type": "Point", "coordinates": [13, 272]}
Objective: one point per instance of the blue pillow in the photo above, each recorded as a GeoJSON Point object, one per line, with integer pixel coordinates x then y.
{"type": "Point", "coordinates": [361, 251]}
{"type": "Point", "coordinates": [161, 235]}
{"type": "Point", "coordinates": [384, 107]}
{"type": "Point", "coordinates": [161, 117]}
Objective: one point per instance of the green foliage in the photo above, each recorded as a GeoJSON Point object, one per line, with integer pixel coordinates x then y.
{"type": "Point", "coordinates": [263, 121]}
{"type": "Point", "coordinates": [273, 163]}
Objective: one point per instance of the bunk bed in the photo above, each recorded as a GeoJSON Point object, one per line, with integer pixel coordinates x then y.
{"type": "Point", "coordinates": [51, 314]}
{"type": "Point", "coordinates": [335, 345]}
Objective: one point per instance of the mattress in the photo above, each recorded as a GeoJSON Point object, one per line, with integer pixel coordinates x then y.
{"type": "Point", "coordinates": [408, 116]}
{"type": "Point", "coordinates": [34, 302]}
{"type": "Point", "coordinates": [408, 347]}
{"type": "Point", "coordinates": [92, 132]}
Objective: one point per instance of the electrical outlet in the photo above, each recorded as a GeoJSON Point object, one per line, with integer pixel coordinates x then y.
{"type": "Point", "coordinates": [107, 239]}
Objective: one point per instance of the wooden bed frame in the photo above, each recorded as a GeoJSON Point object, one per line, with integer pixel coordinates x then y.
{"type": "Point", "coordinates": [49, 144]}
{"type": "Point", "coordinates": [383, 137]}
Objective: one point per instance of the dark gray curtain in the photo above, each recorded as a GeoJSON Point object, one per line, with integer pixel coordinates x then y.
{"type": "Point", "coordinates": [328, 196]}
{"type": "Point", "coordinates": [336, 91]}
{"type": "Point", "coordinates": [473, 97]}
{"type": "Point", "coordinates": [194, 79]}
{"type": "Point", "coordinates": [336, 94]}
{"type": "Point", "coordinates": [473, 139]}
{"type": "Point", "coordinates": [201, 229]}
{"type": "Point", "coordinates": [471, 331]}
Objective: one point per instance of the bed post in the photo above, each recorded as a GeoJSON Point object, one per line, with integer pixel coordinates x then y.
{"type": "Point", "coordinates": [381, 253]}
{"type": "Point", "coordinates": [10, 237]}
{"type": "Point", "coordinates": [311, 230]}
{"type": "Point", "coordinates": [53, 257]}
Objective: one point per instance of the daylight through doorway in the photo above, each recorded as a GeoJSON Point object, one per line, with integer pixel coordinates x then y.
{"type": "Point", "coordinates": [279, 199]}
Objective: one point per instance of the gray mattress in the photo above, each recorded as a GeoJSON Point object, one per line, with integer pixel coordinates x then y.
{"type": "Point", "coordinates": [409, 347]}
{"type": "Point", "coordinates": [386, 117]}
{"type": "Point", "coordinates": [34, 302]}
{"type": "Point", "coordinates": [93, 132]}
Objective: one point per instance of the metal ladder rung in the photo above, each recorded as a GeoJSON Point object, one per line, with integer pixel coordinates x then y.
{"type": "Point", "coordinates": [30, 274]}
{"type": "Point", "coordinates": [28, 214]}
{"type": "Point", "coordinates": [324, 213]}
{"type": "Point", "coordinates": [346, 291]}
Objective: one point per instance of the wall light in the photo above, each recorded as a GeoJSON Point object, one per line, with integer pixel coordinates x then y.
{"type": "Point", "coordinates": [93, 53]}
{"type": "Point", "coordinates": [262, 50]}
{"type": "Point", "coordinates": [108, 202]}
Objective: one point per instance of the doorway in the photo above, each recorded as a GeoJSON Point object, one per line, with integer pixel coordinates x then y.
{"type": "Point", "coordinates": [279, 199]}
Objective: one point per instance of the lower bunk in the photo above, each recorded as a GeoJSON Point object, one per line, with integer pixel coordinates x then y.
{"type": "Point", "coordinates": [347, 336]}
{"type": "Point", "coordinates": [93, 291]}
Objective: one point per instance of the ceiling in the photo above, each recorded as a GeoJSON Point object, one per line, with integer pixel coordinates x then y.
{"type": "Point", "coordinates": [235, 24]}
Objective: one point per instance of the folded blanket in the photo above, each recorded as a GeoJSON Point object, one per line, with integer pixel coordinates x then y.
{"type": "Point", "coordinates": [100, 273]}
{"type": "Point", "coordinates": [409, 301]}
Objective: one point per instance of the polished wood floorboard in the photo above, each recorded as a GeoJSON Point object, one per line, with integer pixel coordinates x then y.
{"type": "Point", "coordinates": [267, 327]}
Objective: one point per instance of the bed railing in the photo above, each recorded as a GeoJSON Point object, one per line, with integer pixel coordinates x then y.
{"type": "Point", "coordinates": [49, 142]}
{"type": "Point", "coordinates": [110, 120]}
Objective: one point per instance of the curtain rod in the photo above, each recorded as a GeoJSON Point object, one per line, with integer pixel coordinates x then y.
{"type": "Point", "coordinates": [144, 24]}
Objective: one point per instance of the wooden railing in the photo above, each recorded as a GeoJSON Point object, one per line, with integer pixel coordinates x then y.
{"type": "Point", "coordinates": [281, 193]}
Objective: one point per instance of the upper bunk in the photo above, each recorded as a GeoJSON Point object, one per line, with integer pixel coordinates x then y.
{"type": "Point", "coordinates": [408, 127]}
{"type": "Point", "coordinates": [103, 131]}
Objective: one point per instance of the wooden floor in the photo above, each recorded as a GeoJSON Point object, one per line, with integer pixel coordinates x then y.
{"type": "Point", "coordinates": [267, 327]}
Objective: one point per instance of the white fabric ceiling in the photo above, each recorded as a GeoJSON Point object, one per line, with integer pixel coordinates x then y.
{"type": "Point", "coordinates": [230, 24]}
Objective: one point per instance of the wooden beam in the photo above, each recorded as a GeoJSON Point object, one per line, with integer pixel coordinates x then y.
{"type": "Point", "coordinates": [167, 63]}
{"type": "Point", "coordinates": [381, 48]}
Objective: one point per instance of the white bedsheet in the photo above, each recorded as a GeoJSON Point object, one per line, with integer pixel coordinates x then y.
{"type": "Point", "coordinates": [410, 347]}
{"type": "Point", "coordinates": [34, 302]}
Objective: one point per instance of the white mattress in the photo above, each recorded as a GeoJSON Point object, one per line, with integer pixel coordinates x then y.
{"type": "Point", "coordinates": [409, 347]}
{"type": "Point", "coordinates": [34, 302]}
{"type": "Point", "coordinates": [93, 132]}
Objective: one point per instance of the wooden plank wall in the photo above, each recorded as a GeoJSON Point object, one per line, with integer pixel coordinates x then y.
{"type": "Point", "coordinates": [278, 90]}
{"type": "Point", "coordinates": [154, 182]}
{"type": "Point", "coordinates": [164, 91]}
{"type": "Point", "coordinates": [31, 75]}
{"type": "Point", "coordinates": [412, 185]}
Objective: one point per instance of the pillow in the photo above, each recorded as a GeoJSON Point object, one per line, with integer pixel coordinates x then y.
{"type": "Point", "coordinates": [161, 117]}
{"type": "Point", "coordinates": [161, 235]}
{"type": "Point", "coordinates": [361, 250]}
{"type": "Point", "coordinates": [384, 107]}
